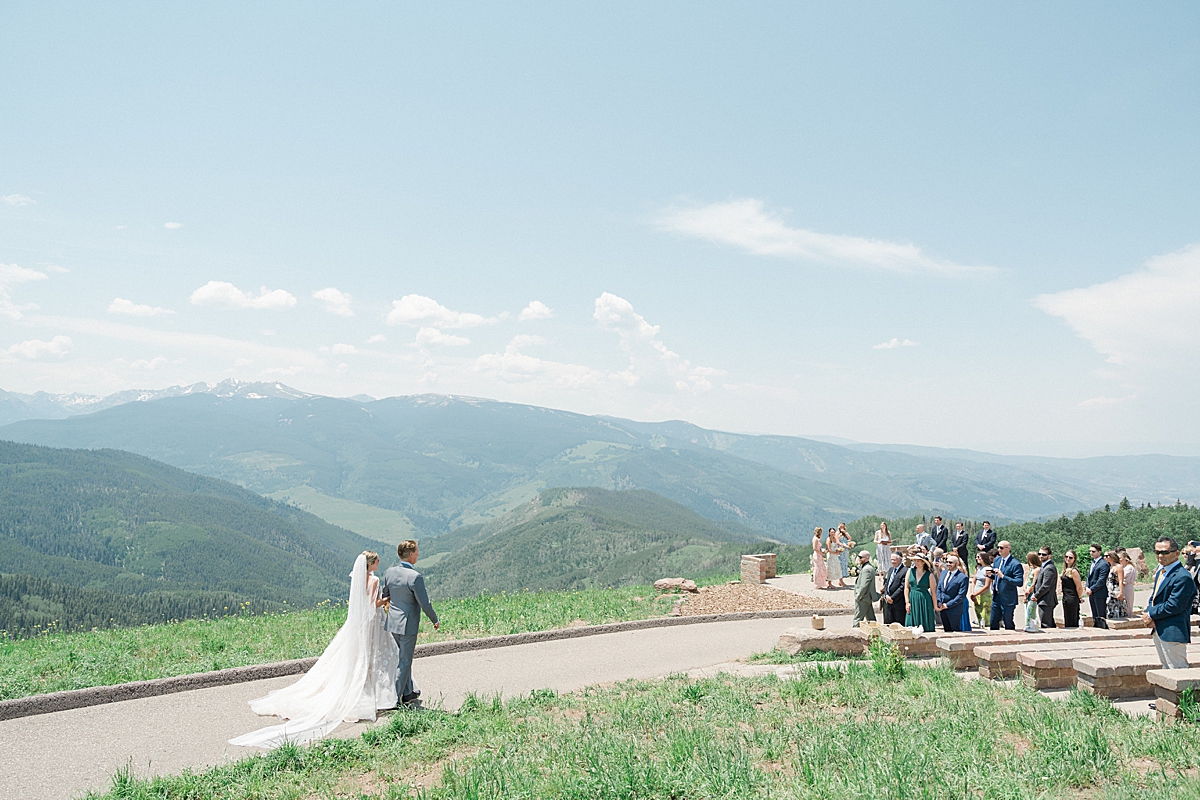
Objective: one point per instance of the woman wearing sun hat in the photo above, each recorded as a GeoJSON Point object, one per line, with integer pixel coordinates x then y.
{"type": "Point", "coordinates": [920, 593]}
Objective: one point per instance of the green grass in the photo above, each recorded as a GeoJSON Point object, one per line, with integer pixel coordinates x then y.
{"type": "Point", "coordinates": [373, 522]}
{"type": "Point", "coordinates": [779, 657]}
{"type": "Point", "coordinates": [831, 734]}
{"type": "Point", "coordinates": [57, 661]}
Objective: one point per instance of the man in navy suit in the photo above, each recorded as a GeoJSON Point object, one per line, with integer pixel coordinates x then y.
{"type": "Point", "coordinates": [952, 589]}
{"type": "Point", "coordinates": [1170, 606]}
{"type": "Point", "coordinates": [940, 533]}
{"type": "Point", "coordinates": [1097, 587]}
{"type": "Point", "coordinates": [894, 609]}
{"type": "Point", "coordinates": [985, 540]}
{"type": "Point", "coordinates": [1007, 575]}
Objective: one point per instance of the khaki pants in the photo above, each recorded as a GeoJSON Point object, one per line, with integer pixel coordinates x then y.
{"type": "Point", "coordinates": [1172, 655]}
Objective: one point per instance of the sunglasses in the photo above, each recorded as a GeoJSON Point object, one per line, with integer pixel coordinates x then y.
{"type": "Point", "coordinates": [1164, 552]}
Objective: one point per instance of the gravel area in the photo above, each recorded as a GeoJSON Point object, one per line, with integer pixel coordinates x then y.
{"type": "Point", "coordinates": [751, 597]}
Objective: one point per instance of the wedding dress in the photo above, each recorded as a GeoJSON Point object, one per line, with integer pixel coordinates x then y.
{"type": "Point", "coordinates": [352, 679]}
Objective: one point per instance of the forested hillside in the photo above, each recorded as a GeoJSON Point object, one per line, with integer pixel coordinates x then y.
{"type": "Point", "coordinates": [575, 538]}
{"type": "Point", "coordinates": [127, 526]}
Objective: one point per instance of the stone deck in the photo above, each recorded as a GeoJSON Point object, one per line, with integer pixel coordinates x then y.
{"type": "Point", "coordinates": [960, 648]}
{"type": "Point", "coordinates": [1124, 675]}
{"type": "Point", "coordinates": [1055, 668]}
{"type": "Point", "coordinates": [999, 661]}
{"type": "Point", "coordinates": [1168, 685]}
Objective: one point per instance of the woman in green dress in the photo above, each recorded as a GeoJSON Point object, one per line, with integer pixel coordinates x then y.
{"type": "Point", "coordinates": [920, 593]}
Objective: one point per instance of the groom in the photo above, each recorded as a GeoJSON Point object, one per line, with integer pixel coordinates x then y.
{"type": "Point", "coordinates": [405, 589]}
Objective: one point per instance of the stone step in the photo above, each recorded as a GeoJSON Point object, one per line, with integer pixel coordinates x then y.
{"type": "Point", "coordinates": [1168, 685]}
{"type": "Point", "coordinates": [959, 648]}
{"type": "Point", "coordinates": [1055, 669]}
{"type": "Point", "coordinates": [999, 662]}
{"type": "Point", "coordinates": [1121, 676]}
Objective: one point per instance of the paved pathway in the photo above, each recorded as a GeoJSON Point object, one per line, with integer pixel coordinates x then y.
{"type": "Point", "coordinates": [62, 755]}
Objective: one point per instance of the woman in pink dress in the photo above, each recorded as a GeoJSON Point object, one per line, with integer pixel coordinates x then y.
{"type": "Point", "coordinates": [820, 574]}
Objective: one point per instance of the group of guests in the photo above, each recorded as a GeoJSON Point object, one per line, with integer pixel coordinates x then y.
{"type": "Point", "coordinates": [927, 585]}
{"type": "Point", "coordinates": [831, 556]}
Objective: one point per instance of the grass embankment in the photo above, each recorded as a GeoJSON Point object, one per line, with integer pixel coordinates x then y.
{"type": "Point", "coordinates": [56, 661]}
{"type": "Point", "coordinates": [870, 730]}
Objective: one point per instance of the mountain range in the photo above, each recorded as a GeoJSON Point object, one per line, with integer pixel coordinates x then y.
{"type": "Point", "coordinates": [429, 464]}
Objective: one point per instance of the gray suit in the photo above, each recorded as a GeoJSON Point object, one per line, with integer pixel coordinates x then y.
{"type": "Point", "coordinates": [865, 593]}
{"type": "Point", "coordinates": [1045, 592]}
{"type": "Point", "coordinates": [405, 588]}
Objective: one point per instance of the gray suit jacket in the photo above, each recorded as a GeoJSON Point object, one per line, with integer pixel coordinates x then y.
{"type": "Point", "coordinates": [405, 587]}
{"type": "Point", "coordinates": [1045, 588]}
{"type": "Point", "coordinates": [864, 587]}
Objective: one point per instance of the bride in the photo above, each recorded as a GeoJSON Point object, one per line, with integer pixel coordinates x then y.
{"type": "Point", "coordinates": [352, 679]}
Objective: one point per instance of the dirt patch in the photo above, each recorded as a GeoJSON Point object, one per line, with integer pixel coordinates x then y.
{"type": "Point", "coordinates": [1019, 744]}
{"type": "Point", "coordinates": [748, 597]}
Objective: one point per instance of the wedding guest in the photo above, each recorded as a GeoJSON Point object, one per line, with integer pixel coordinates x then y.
{"type": "Point", "coordinates": [1096, 586]}
{"type": "Point", "coordinates": [959, 540]}
{"type": "Point", "coordinates": [847, 545]}
{"type": "Point", "coordinates": [820, 573]}
{"type": "Point", "coordinates": [924, 540]}
{"type": "Point", "coordinates": [883, 544]}
{"type": "Point", "coordinates": [1035, 562]}
{"type": "Point", "coordinates": [893, 605]}
{"type": "Point", "coordinates": [833, 559]}
{"type": "Point", "coordinates": [1170, 606]}
{"type": "Point", "coordinates": [981, 592]}
{"type": "Point", "coordinates": [940, 534]}
{"type": "Point", "coordinates": [1115, 608]}
{"type": "Point", "coordinates": [1128, 579]}
{"type": "Point", "coordinates": [938, 559]}
{"type": "Point", "coordinates": [952, 595]}
{"type": "Point", "coordinates": [1045, 588]}
{"type": "Point", "coordinates": [1072, 590]}
{"type": "Point", "coordinates": [985, 539]}
{"type": "Point", "coordinates": [865, 593]}
{"type": "Point", "coordinates": [920, 595]}
{"type": "Point", "coordinates": [962, 567]}
{"type": "Point", "coordinates": [1007, 576]}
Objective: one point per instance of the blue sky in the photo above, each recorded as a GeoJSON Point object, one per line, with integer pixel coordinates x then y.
{"type": "Point", "coordinates": [943, 224]}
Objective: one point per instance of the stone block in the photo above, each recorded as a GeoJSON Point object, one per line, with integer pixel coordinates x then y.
{"type": "Point", "coordinates": [850, 642]}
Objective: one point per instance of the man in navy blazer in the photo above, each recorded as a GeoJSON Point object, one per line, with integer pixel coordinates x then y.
{"type": "Point", "coordinates": [1097, 586]}
{"type": "Point", "coordinates": [1170, 606]}
{"type": "Point", "coordinates": [951, 594]}
{"type": "Point", "coordinates": [1007, 575]}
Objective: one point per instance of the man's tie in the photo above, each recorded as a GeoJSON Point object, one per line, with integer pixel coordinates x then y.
{"type": "Point", "coordinates": [1158, 573]}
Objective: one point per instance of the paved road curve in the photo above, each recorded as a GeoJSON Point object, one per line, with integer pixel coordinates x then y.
{"type": "Point", "coordinates": [63, 755]}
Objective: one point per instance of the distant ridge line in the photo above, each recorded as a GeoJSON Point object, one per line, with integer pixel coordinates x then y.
{"type": "Point", "coordinates": [102, 695]}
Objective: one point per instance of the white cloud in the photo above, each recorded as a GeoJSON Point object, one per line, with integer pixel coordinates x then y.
{"type": "Point", "coordinates": [131, 309]}
{"type": "Point", "coordinates": [340, 349]}
{"type": "Point", "coordinates": [378, 338]}
{"type": "Point", "coordinates": [893, 343]}
{"type": "Point", "coordinates": [334, 301]}
{"type": "Point", "coordinates": [226, 295]}
{"type": "Point", "coordinates": [514, 367]}
{"type": "Point", "coordinates": [1148, 315]}
{"type": "Point", "coordinates": [158, 362]}
{"type": "Point", "coordinates": [36, 349]}
{"type": "Point", "coordinates": [428, 336]}
{"type": "Point", "coordinates": [172, 225]}
{"type": "Point", "coordinates": [652, 365]}
{"type": "Point", "coordinates": [746, 224]}
{"type": "Point", "coordinates": [535, 310]}
{"type": "Point", "coordinates": [11, 275]}
{"type": "Point", "coordinates": [418, 310]}
{"type": "Point", "coordinates": [1102, 401]}
{"type": "Point", "coordinates": [17, 200]}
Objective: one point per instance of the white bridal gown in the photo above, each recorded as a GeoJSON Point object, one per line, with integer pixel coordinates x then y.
{"type": "Point", "coordinates": [352, 679]}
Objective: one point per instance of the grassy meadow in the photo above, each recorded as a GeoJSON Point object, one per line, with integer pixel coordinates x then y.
{"type": "Point", "coordinates": [873, 729]}
{"type": "Point", "coordinates": [56, 661]}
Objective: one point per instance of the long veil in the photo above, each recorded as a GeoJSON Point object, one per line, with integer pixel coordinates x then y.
{"type": "Point", "coordinates": [337, 688]}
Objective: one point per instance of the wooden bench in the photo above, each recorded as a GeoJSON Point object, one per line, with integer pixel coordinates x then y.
{"type": "Point", "coordinates": [1168, 685]}
{"type": "Point", "coordinates": [1121, 676]}
{"type": "Point", "coordinates": [1055, 668]}
{"type": "Point", "coordinates": [959, 648]}
{"type": "Point", "coordinates": [999, 661]}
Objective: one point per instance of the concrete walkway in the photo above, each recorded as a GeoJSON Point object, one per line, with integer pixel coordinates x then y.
{"type": "Point", "coordinates": [63, 755]}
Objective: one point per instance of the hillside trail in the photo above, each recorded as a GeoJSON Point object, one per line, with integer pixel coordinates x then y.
{"type": "Point", "coordinates": [63, 755]}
